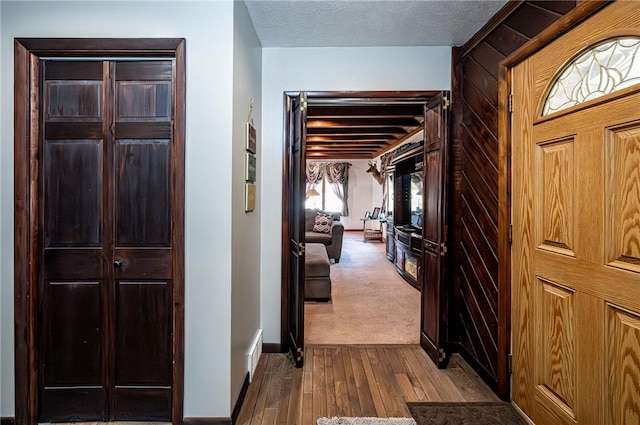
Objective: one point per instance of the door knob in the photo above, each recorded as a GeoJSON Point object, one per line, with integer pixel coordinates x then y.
{"type": "Point", "coordinates": [117, 263]}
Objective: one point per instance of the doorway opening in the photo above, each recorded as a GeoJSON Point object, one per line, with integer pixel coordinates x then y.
{"type": "Point", "coordinates": [307, 132]}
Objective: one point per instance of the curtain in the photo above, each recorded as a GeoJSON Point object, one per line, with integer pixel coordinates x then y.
{"type": "Point", "coordinates": [338, 177]}
{"type": "Point", "coordinates": [315, 173]}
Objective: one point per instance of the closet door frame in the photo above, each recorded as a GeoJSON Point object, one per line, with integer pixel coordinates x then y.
{"type": "Point", "coordinates": [27, 54]}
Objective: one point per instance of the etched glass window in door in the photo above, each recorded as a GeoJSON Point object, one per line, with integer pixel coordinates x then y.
{"type": "Point", "coordinates": [605, 68]}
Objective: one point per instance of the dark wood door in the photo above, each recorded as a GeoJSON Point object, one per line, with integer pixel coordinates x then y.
{"type": "Point", "coordinates": [106, 339]}
{"type": "Point", "coordinates": [434, 234]}
{"type": "Point", "coordinates": [296, 185]}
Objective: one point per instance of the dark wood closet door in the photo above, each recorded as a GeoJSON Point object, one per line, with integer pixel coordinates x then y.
{"type": "Point", "coordinates": [142, 310]}
{"type": "Point", "coordinates": [434, 235]}
{"type": "Point", "coordinates": [74, 287]}
{"type": "Point", "coordinates": [106, 317]}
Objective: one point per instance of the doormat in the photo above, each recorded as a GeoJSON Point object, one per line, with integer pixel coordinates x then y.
{"type": "Point", "coordinates": [474, 413]}
{"type": "Point", "coordinates": [365, 421]}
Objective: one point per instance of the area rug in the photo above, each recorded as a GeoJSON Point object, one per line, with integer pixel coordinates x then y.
{"type": "Point", "coordinates": [366, 421]}
{"type": "Point", "coordinates": [475, 413]}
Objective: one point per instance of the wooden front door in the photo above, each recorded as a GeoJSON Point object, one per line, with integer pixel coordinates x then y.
{"type": "Point", "coordinates": [576, 224]}
{"type": "Point", "coordinates": [434, 234]}
{"type": "Point", "coordinates": [105, 340]}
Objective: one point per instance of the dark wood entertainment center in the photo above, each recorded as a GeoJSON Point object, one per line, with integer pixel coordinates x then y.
{"type": "Point", "coordinates": [404, 230]}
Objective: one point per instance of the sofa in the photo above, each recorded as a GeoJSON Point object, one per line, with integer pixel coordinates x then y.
{"type": "Point", "coordinates": [331, 240]}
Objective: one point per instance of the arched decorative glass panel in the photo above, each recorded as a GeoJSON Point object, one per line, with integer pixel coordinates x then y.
{"type": "Point", "coordinates": [608, 67]}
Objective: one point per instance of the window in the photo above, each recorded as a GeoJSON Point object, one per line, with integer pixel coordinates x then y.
{"type": "Point", "coordinates": [324, 197]}
{"type": "Point", "coordinates": [327, 186]}
{"type": "Point", "coordinates": [606, 68]}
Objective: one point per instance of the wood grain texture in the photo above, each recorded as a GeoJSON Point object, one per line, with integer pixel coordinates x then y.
{"type": "Point", "coordinates": [27, 201]}
{"type": "Point", "coordinates": [623, 215]}
{"type": "Point", "coordinates": [504, 236]}
{"type": "Point", "coordinates": [557, 343]}
{"type": "Point", "coordinates": [370, 381]}
{"type": "Point", "coordinates": [479, 163]}
{"type": "Point", "coordinates": [585, 324]}
{"type": "Point", "coordinates": [522, 319]}
{"type": "Point", "coordinates": [24, 247]}
{"type": "Point", "coordinates": [556, 187]}
{"type": "Point", "coordinates": [623, 404]}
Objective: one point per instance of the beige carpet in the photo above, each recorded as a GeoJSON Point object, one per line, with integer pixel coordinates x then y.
{"type": "Point", "coordinates": [371, 303]}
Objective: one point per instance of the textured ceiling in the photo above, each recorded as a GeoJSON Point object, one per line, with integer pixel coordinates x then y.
{"type": "Point", "coordinates": [330, 23]}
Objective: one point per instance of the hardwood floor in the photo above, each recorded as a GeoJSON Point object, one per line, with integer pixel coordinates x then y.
{"type": "Point", "coordinates": [354, 381]}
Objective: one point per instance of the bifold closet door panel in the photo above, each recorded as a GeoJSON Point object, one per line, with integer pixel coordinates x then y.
{"type": "Point", "coordinates": [73, 291]}
{"type": "Point", "coordinates": [142, 240]}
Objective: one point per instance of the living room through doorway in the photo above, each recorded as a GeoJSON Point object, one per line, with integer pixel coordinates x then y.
{"type": "Point", "coordinates": [371, 303]}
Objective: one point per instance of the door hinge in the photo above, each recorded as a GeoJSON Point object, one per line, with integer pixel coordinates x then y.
{"type": "Point", "coordinates": [299, 354]}
{"type": "Point", "coordinates": [442, 356]}
{"type": "Point", "coordinates": [445, 102]}
{"type": "Point", "coordinates": [443, 249]}
{"type": "Point", "coordinates": [301, 248]}
{"type": "Point", "coordinates": [510, 103]}
{"type": "Point", "coordinates": [510, 363]}
{"type": "Point", "coordinates": [510, 234]}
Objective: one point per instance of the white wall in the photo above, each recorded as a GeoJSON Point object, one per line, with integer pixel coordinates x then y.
{"type": "Point", "coordinates": [207, 27]}
{"type": "Point", "coordinates": [361, 188]}
{"type": "Point", "coordinates": [245, 279]}
{"type": "Point", "coordinates": [324, 69]}
{"type": "Point", "coordinates": [376, 193]}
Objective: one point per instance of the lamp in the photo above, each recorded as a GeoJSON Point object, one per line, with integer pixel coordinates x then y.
{"type": "Point", "coordinates": [312, 192]}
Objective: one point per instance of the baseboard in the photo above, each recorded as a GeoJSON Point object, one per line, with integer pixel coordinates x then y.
{"type": "Point", "coordinates": [240, 401]}
{"type": "Point", "coordinates": [7, 421]}
{"type": "Point", "coordinates": [207, 421]}
{"type": "Point", "coordinates": [272, 347]}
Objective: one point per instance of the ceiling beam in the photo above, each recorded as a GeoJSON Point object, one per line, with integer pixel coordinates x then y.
{"type": "Point", "coordinates": [363, 122]}
{"type": "Point", "coordinates": [337, 131]}
{"type": "Point", "coordinates": [381, 111]}
{"type": "Point", "coordinates": [340, 156]}
{"type": "Point", "coordinates": [369, 143]}
{"type": "Point", "coordinates": [352, 137]}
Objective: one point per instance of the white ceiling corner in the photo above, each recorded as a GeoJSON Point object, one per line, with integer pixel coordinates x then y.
{"type": "Point", "coordinates": [360, 23]}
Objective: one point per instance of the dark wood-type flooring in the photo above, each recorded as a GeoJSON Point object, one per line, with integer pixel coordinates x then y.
{"type": "Point", "coordinates": [354, 381]}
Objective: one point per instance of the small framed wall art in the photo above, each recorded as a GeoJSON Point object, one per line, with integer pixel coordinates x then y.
{"type": "Point", "coordinates": [250, 197]}
{"type": "Point", "coordinates": [250, 167]}
{"type": "Point", "coordinates": [250, 136]}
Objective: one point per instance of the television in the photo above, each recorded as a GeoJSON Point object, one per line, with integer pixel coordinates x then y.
{"type": "Point", "coordinates": [415, 198]}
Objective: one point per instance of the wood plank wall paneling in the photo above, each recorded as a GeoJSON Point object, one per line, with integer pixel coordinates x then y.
{"type": "Point", "coordinates": [474, 226]}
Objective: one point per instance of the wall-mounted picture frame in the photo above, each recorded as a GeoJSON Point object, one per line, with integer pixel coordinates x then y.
{"type": "Point", "coordinates": [250, 137]}
{"type": "Point", "coordinates": [250, 197]}
{"type": "Point", "coordinates": [250, 167]}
